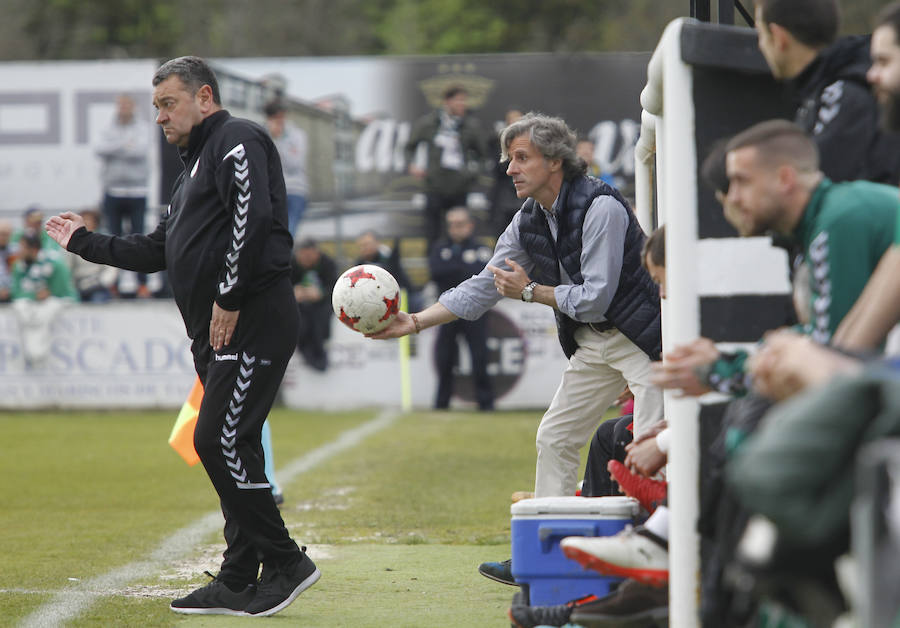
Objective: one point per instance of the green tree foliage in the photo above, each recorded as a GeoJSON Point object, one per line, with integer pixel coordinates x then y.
{"type": "Point", "coordinates": [456, 26]}
{"type": "Point", "coordinates": [86, 29]}
{"type": "Point", "coordinates": [253, 28]}
{"type": "Point", "coordinates": [61, 29]}
{"type": "Point", "coordinates": [441, 27]}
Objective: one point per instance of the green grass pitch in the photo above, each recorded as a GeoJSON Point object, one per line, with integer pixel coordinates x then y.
{"type": "Point", "coordinates": [397, 523]}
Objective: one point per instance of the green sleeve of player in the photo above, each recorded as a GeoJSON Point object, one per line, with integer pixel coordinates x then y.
{"type": "Point", "coordinates": [842, 256]}
{"type": "Point", "coordinates": [727, 374]}
{"type": "Point", "coordinates": [897, 231]}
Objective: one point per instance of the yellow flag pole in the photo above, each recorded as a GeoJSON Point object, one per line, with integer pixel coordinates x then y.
{"type": "Point", "coordinates": [405, 382]}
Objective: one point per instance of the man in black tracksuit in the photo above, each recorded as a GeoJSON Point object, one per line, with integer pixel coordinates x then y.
{"type": "Point", "coordinates": [225, 243]}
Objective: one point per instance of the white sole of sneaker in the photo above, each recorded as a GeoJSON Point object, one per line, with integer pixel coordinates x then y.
{"type": "Point", "coordinates": [490, 577]}
{"type": "Point", "coordinates": [653, 577]}
{"type": "Point", "coordinates": [311, 579]}
{"type": "Point", "coordinates": [208, 611]}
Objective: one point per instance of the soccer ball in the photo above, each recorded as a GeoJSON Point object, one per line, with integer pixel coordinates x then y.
{"type": "Point", "coordinates": [366, 298]}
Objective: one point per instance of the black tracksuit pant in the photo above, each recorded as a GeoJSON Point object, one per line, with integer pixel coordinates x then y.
{"type": "Point", "coordinates": [240, 384]}
{"type": "Point", "coordinates": [608, 443]}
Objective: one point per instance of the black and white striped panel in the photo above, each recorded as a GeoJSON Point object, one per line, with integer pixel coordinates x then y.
{"type": "Point", "coordinates": [743, 282]}
{"type": "Point", "coordinates": [744, 289]}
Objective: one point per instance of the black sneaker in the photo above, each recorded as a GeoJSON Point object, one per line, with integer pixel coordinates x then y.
{"type": "Point", "coordinates": [214, 599]}
{"type": "Point", "coordinates": [279, 586]}
{"type": "Point", "coordinates": [524, 616]}
{"type": "Point", "coordinates": [501, 572]}
{"type": "Point", "coordinates": [633, 604]}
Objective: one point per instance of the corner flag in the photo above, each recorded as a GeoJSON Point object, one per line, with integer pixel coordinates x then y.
{"type": "Point", "coordinates": [182, 437]}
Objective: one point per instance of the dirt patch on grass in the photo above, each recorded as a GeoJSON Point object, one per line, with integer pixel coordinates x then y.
{"type": "Point", "coordinates": [333, 499]}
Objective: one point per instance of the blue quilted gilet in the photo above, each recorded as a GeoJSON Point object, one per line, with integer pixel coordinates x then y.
{"type": "Point", "coordinates": [634, 309]}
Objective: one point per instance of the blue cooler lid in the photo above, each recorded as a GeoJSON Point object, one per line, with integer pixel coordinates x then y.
{"type": "Point", "coordinates": [613, 507]}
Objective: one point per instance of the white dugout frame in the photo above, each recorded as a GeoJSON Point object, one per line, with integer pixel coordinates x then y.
{"type": "Point", "coordinates": [667, 133]}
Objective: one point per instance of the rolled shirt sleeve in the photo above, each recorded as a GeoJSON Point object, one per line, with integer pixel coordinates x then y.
{"type": "Point", "coordinates": [477, 294]}
{"type": "Point", "coordinates": [603, 245]}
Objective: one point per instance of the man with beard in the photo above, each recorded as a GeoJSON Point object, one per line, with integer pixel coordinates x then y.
{"type": "Point", "coordinates": [878, 309]}
{"type": "Point", "coordinates": [842, 230]}
{"type": "Point", "coordinates": [826, 77]}
{"type": "Point", "coordinates": [776, 186]}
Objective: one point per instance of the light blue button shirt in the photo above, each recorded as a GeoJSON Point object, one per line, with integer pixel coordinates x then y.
{"type": "Point", "coordinates": [602, 249]}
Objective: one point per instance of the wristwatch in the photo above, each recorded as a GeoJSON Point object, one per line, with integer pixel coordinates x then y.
{"type": "Point", "coordinates": [528, 292]}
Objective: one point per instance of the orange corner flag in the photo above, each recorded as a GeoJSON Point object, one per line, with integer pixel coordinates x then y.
{"type": "Point", "coordinates": [182, 437]}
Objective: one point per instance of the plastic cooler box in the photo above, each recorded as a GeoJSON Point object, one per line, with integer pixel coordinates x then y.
{"type": "Point", "coordinates": [538, 525]}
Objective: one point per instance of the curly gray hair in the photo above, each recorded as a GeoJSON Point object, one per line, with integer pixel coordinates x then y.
{"type": "Point", "coordinates": [550, 136]}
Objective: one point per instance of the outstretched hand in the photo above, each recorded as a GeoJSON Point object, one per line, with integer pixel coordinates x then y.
{"type": "Point", "coordinates": [402, 325]}
{"type": "Point", "coordinates": [510, 283]}
{"type": "Point", "coordinates": [61, 227]}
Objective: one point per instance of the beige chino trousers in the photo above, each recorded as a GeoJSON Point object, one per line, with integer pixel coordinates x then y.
{"type": "Point", "coordinates": [595, 376]}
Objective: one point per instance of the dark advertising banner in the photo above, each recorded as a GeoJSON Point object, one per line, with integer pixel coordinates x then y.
{"type": "Point", "coordinates": [375, 101]}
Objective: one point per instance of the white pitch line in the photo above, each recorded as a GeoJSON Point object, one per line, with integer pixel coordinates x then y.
{"type": "Point", "coordinates": [69, 603]}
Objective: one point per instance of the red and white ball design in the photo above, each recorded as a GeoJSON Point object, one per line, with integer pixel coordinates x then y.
{"type": "Point", "coordinates": [366, 298]}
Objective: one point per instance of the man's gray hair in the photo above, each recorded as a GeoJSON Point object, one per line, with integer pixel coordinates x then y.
{"type": "Point", "coordinates": [550, 136]}
{"type": "Point", "coordinates": [194, 72]}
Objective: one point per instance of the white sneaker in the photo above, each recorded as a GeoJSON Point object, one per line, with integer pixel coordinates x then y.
{"type": "Point", "coordinates": [632, 553]}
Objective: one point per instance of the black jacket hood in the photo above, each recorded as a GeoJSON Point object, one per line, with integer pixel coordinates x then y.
{"type": "Point", "coordinates": [846, 59]}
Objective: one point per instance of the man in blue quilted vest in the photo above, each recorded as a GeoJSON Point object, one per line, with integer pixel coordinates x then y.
{"type": "Point", "coordinates": [574, 246]}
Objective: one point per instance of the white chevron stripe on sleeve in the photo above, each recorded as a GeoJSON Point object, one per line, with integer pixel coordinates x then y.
{"type": "Point", "coordinates": [240, 217]}
{"type": "Point", "coordinates": [237, 152]}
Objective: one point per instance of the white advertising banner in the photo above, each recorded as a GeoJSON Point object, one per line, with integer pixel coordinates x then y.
{"type": "Point", "coordinates": [117, 355]}
{"type": "Point", "coordinates": [137, 355]}
{"type": "Point", "coordinates": [51, 117]}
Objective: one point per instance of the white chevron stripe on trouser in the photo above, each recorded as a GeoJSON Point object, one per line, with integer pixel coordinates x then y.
{"type": "Point", "coordinates": [228, 439]}
{"type": "Point", "coordinates": [241, 210]}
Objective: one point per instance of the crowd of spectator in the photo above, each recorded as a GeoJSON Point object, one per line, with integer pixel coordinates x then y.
{"type": "Point", "coordinates": [34, 267]}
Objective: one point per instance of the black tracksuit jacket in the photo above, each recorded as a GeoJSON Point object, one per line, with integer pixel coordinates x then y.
{"type": "Point", "coordinates": [224, 237]}
{"type": "Point", "coordinates": [837, 108]}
